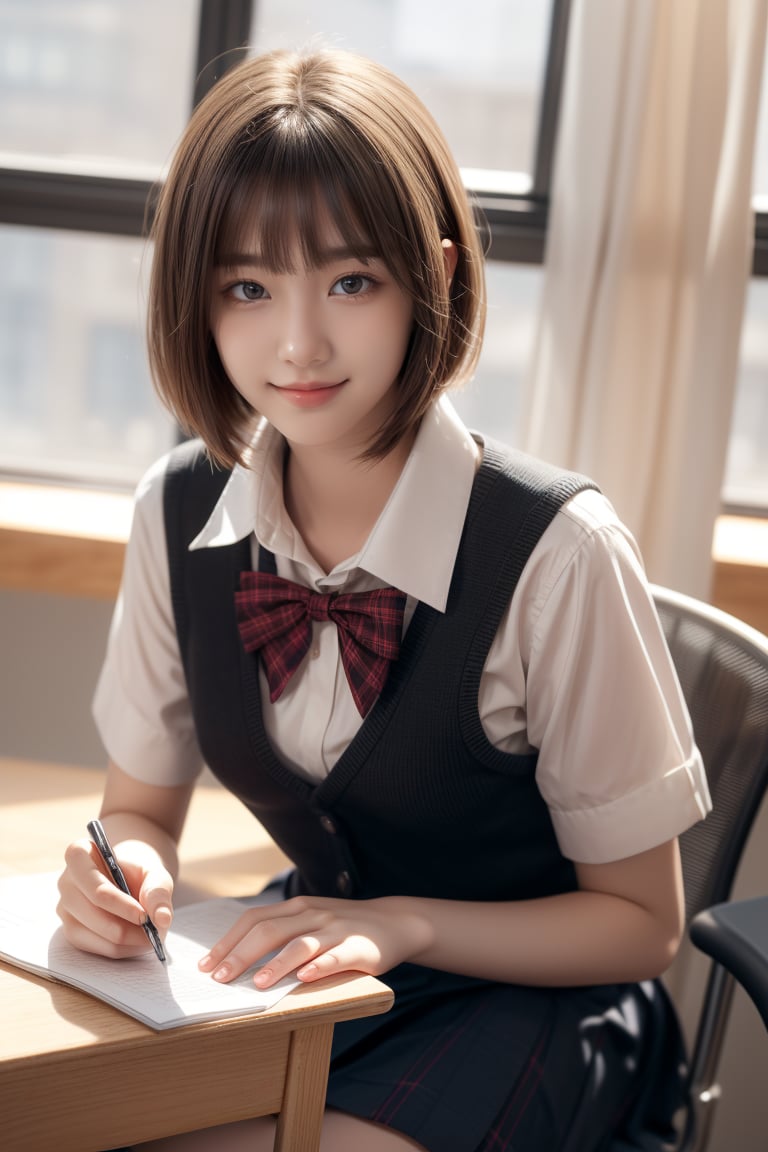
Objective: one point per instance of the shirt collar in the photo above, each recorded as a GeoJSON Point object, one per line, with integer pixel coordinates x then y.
{"type": "Point", "coordinates": [413, 544]}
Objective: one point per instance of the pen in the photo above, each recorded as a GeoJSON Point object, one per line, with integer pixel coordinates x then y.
{"type": "Point", "coordinates": [99, 837]}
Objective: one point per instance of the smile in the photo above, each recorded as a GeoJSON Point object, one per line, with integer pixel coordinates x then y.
{"type": "Point", "coordinates": [309, 395]}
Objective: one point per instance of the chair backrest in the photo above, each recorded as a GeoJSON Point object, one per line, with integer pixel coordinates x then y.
{"type": "Point", "coordinates": [722, 665]}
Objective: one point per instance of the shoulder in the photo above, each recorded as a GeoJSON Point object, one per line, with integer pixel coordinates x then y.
{"type": "Point", "coordinates": [183, 476]}
{"type": "Point", "coordinates": [578, 525]}
{"type": "Point", "coordinates": [528, 473]}
{"type": "Point", "coordinates": [586, 562]}
{"type": "Point", "coordinates": [148, 495]}
{"type": "Point", "coordinates": [588, 530]}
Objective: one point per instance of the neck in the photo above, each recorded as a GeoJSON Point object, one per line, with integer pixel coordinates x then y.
{"type": "Point", "coordinates": [335, 503]}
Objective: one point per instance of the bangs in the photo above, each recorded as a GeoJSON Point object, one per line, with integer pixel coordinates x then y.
{"type": "Point", "coordinates": [287, 201]}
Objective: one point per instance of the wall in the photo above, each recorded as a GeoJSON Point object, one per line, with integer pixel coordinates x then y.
{"type": "Point", "coordinates": [51, 648]}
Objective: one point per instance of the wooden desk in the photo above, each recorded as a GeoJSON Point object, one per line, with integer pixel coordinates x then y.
{"type": "Point", "coordinates": [79, 1076]}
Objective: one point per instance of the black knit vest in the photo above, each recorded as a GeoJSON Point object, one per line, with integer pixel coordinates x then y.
{"type": "Point", "coordinates": [420, 803]}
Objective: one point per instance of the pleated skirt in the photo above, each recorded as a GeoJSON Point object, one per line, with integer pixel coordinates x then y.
{"type": "Point", "coordinates": [460, 1065]}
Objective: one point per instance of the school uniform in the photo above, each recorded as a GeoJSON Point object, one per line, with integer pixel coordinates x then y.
{"type": "Point", "coordinates": [514, 735]}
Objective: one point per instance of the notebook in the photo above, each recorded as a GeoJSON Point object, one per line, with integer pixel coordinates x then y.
{"type": "Point", "coordinates": [160, 995]}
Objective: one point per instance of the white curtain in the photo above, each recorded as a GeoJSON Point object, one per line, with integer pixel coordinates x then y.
{"type": "Point", "coordinates": [649, 251]}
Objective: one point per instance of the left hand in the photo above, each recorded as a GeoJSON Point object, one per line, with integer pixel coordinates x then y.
{"type": "Point", "coordinates": [316, 937]}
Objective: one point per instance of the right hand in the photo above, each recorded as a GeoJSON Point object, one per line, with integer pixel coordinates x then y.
{"type": "Point", "coordinates": [96, 915]}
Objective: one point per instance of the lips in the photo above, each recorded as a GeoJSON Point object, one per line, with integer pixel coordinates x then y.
{"type": "Point", "coordinates": [309, 386]}
{"type": "Point", "coordinates": [310, 395]}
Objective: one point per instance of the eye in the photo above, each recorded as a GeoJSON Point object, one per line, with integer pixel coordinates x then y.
{"type": "Point", "coordinates": [247, 291]}
{"type": "Point", "coordinates": [355, 284]}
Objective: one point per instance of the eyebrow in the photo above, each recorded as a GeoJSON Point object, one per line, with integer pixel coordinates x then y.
{"type": "Point", "coordinates": [326, 256]}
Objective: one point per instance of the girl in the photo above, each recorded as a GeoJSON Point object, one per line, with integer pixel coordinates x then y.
{"type": "Point", "coordinates": [431, 667]}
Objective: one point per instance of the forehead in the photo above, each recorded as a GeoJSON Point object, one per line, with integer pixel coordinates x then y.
{"type": "Point", "coordinates": [286, 233]}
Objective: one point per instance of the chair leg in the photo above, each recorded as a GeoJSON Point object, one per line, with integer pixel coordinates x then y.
{"type": "Point", "coordinates": [704, 1091]}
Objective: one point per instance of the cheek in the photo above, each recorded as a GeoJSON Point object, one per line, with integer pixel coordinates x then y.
{"type": "Point", "coordinates": [391, 337]}
{"type": "Point", "coordinates": [231, 344]}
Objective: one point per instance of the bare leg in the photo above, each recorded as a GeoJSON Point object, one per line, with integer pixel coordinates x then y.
{"type": "Point", "coordinates": [254, 1135]}
{"type": "Point", "coordinates": [344, 1133]}
{"type": "Point", "coordinates": [341, 1133]}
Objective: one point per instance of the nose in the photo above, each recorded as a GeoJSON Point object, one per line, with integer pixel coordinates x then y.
{"type": "Point", "coordinates": [303, 339]}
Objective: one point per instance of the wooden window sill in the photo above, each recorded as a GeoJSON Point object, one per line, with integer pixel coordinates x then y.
{"type": "Point", "coordinates": [65, 541]}
{"type": "Point", "coordinates": [71, 542]}
{"type": "Point", "coordinates": [740, 569]}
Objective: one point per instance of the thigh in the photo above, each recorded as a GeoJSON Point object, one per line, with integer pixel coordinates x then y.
{"type": "Point", "coordinates": [463, 1067]}
{"type": "Point", "coordinates": [253, 1135]}
{"type": "Point", "coordinates": [341, 1133]}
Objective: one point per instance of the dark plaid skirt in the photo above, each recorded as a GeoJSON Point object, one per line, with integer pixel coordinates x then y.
{"type": "Point", "coordinates": [460, 1065]}
{"type": "Point", "coordinates": [463, 1065]}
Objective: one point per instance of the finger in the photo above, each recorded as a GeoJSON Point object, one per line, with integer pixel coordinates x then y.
{"type": "Point", "coordinates": [247, 942]}
{"type": "Point", "coordinates": [94, 930]}
{"type": "Point", "coordinates": [150, 884]}
{"type": "Point", "coordinates": [243, 926]}
{"type": "Point", "coordinates": [84, 887]}
{"type": "Point", "coordinates": [270, 917]}
{"type": "Point", "coordinates": [80, 862]}
{"type": "Point", "coordinates": [156, 895]}
{"type": "Point", "coordinates": [295, 955]}
{"type": "Point", "coordinates": [355, 954]}
{"type": "Point", "coordinates": [86, 940]}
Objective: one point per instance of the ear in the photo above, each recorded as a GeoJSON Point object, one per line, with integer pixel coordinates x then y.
{"type": "Point", "coordinates": [450, 259]}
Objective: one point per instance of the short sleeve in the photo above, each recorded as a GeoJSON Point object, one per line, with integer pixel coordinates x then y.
{"type": "Point", "coordinates": [141, 707]}
{"type": "Point", "coordinates": [618, 765]}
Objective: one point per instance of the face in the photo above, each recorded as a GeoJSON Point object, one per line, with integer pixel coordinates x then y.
{"type": "Point", "coordinates": [318, 350]}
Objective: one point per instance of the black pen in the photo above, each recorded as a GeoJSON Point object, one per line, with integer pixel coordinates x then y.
{"type": "Point", "coordinates": [99, 837]}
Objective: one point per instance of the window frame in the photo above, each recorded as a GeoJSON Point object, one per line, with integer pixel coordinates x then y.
{"type": "Point", "coordinates": [66, 197]}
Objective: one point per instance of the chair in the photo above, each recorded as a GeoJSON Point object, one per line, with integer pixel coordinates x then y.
{"type": "Point", "coordinates": [722, 665]}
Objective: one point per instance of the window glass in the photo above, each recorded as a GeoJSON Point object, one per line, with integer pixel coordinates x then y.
{"type": "Point", "coordinates": [75, 391]}
{"type": "Point", "coordinates": [746, 474]}
{"type": "Point", "coordinates": [96, 78]}
{"type": "Point", "coordinates": [491, 403]}
{"type": "Point", "coordinates": [480, 76]}
{"type": "Point", "coordinates": [746, 478]}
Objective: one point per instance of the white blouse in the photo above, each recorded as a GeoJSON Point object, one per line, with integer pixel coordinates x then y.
{"type": "Point", "coordinates": [579, 668]}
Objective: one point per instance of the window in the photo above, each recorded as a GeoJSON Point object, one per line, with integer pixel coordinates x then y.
{"type": "Point", "coordinates": [473, 75]}
{"type": "Point", "coordinates": [74, 385]}
{"type": "Point", "coordinates": [93, 96]}
{"type": "Point", "coordinates": [746, 476]}
{"type": "Point", "coordinates": [97, 81]}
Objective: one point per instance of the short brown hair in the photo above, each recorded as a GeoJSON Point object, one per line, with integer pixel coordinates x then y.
{"type": "Point", "coordinates": [279, 137]}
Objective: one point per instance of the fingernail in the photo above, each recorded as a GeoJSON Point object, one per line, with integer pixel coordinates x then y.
{"type": "Point", "coordinates": [205, 961]}
{"type": "Point", "coordinates": [222, 973]}
{"type": "Point", "coordinates": [263, 977]}
{"type": "Point", "coordinates": [163, 916]}
{"type": "Point", "coordinates": [307, 972]}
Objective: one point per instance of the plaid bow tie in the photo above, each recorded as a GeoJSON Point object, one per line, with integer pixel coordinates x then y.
{"type": "Point", "coordinates": [275, 616]}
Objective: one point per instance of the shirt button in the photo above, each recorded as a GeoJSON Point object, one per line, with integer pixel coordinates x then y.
{"type": "Point", "coordinates": [344, 883]}
{"type": "Point", "coordinates": [314, 653]}
{"type": "Point", "coordinates": [328, 824]}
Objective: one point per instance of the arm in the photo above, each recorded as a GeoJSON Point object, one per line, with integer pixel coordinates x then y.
{"type": "Point", "coordinates": [624, 923]}
{"type": "Point", "coordinates": [143, 716]}
{"type": "Point", "coordinates": [144, 823]}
